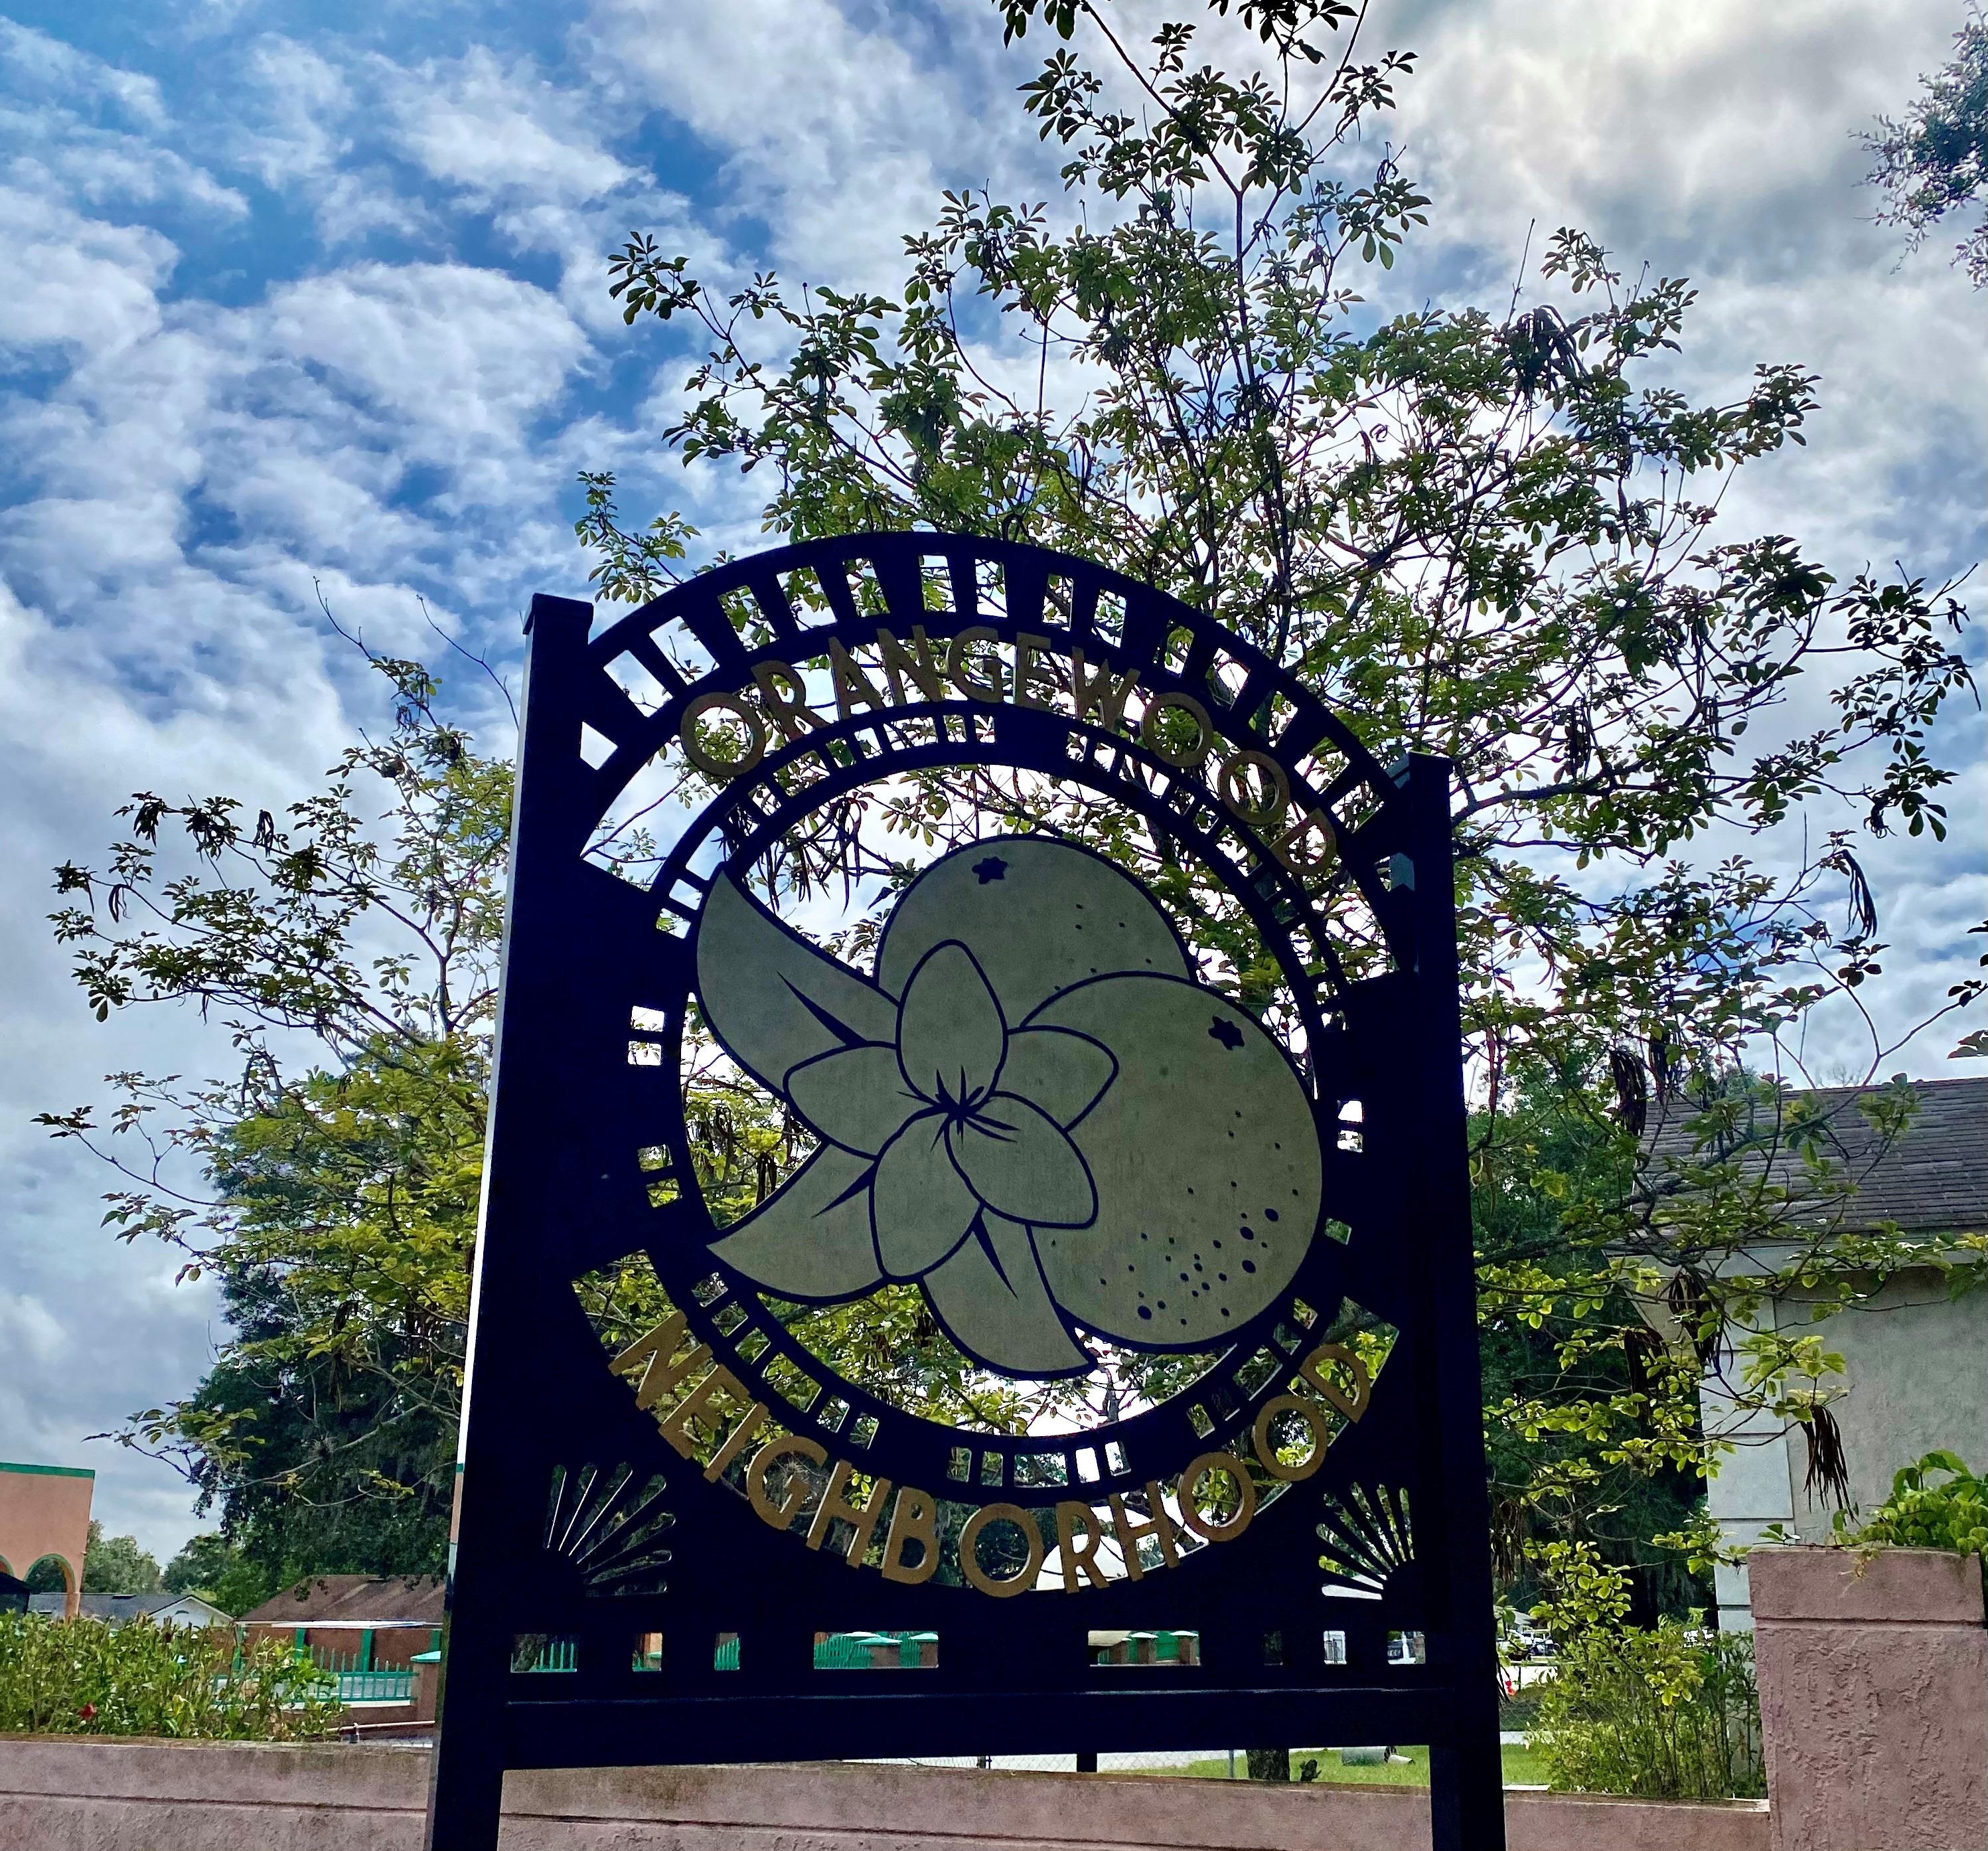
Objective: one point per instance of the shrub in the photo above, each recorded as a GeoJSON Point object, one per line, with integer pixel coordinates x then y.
{"type": "Point", "coordinates": [84, 1677]}
{"type": "Point", "coordinates": [1917, 1515]}
{"type": "Point", "coordinates": [1671, 1713]}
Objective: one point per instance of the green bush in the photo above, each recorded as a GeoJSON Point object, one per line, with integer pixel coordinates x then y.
{"type": "Point", "coordinates": [1671, 1713]}
{"type": "Point", "coordinates": [83, 1677]}
{"type": "Point", "coordinates": [1917, 1515]}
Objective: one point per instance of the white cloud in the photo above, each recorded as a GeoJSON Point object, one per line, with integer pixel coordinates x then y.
{"type": "Point", "coordinates": [83, 284]}
{"type": "Point", "coordinates": [36, 61]}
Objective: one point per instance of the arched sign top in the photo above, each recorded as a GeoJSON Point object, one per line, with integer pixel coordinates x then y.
{"type": "Point", "coordinates": [1077, 670]}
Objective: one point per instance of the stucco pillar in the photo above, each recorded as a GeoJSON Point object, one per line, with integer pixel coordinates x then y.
{"type": "Point", "coordinates": [1874, 1698]}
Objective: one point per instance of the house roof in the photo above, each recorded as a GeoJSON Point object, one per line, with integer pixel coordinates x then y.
{"type": "Point", "coordinates": [365, 1598]}
{"type": "Point", "coordinates": [121, 1607]}
{"type": "Point", "coordinates": [1931, 1179]}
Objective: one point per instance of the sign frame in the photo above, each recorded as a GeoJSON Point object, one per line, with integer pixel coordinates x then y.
{"type": "Point", "coordinates": [555, 1455]}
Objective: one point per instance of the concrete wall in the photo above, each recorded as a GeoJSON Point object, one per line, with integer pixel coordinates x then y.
{"type": "Point", "coordinates": [45, 1510]}
{"type": "Point", "coordinates": [1915, 1380]}
{"type": "Point", "coordinates": [69, 1794]}
{"type": "Point", "coordinates": [1874, 1698]}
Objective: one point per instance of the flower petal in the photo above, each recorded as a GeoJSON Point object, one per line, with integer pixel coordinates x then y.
{"type": "Point", "coordinates": [1021, 1165]}
{"type": "Point", "coordinates": [855, 1097]}
{"type": "Point", "coordinates": [1064, 1073]}
{"type": "Point", "coordinates": [772, 999]}
{"type": "Point", "coordinates": [991, 1299]}
{"type": "Point", "coordinates": [920, 1207]}
{"type": "Point", "coordinates": [950, 1033]}
{"type": "Point", "coordinates": [1038, 914]}
{"type": "Point", "coordinates": [810, 1240]}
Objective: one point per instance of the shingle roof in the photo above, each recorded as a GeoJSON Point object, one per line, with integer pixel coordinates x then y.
{"type": "Point", "coordinates": [1932, 1178]}
{"type": "Point", "coordinates": [353, 1597]}
{"type": "Point", "coordinates": [118, 1607]}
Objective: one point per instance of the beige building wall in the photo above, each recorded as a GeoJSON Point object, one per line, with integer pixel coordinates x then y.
{"type": "Point", "coordinates": [1915, 1381]}
{"type": "Point", "coordinates": [44, 1512]}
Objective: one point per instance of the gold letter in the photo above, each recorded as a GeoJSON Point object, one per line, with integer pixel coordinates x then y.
{"type": "Point", "coordinates": [1149, 730]}
{"type": "Point", "coordinates": [957, 666]}
{"type": "Point", "coordinates": [1069, 1514]}
{"type": "Point", "coordinates": [1312, 1369]}
{"type": "Point", "coordinates": [693, 748]}
{"type": "Point", "coordinates": [655, 1350]}
{"type": "Point", "coordinates": [1129, 1534]}
{"type": "Point", "coordinates": [1245, 1496]}
{"type": "Point", "coordinates": [912, 1520]}
{"type": "Point", "coordinates": [1029, 671]}
{"type": "Point", "coordinates": [851, 684]}
{"type": "Point", "coordinates": [969, 1544]}
{"type": "Point", "coordinates": [1100, 692]}
{"type": "Point", "coordinates": [675, 1425]}
{"type": "Point", "coordinates": [781, 1514]}
{"type": "Point", "coordinates": [1266, 816]}
{"type": "Point", "coordinates": [1287, 850]}
{"type": "Point", "coordinates": [923, 666]}
{"type": "Point", "coordinates": [793, 716]}
{"type": "Point", "coordinates": [756, 1418]}
{"type": "Point", "coordinates": [1267, 1445]}
{"type": "Point", "coordinates": [833, 1504]}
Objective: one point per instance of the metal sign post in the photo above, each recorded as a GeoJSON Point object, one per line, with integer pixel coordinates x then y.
{"type": "Point", "coordinates": [1026, 1113]}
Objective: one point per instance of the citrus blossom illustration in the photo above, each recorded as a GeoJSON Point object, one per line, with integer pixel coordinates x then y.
{"type": "Point", "coordinates": [1032, 1109]}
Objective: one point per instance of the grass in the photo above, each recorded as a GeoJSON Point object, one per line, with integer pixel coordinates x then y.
{"type": "Point", "coordinates": [1523, 1769]}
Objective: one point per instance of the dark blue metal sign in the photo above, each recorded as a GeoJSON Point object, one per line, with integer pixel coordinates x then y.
{"type": "Point", "coordinates": [1184, 1124]}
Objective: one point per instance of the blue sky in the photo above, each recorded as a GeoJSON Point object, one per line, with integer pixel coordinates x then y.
{"type": "Point", "coordinates": [298, 302]}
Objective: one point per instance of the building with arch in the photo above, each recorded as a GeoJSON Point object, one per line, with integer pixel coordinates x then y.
{"type": "Point", "coordinates": [44, 1516]}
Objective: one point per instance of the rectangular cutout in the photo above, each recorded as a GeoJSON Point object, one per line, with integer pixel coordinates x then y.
{"type": "Point", "coordinates": [637, 683]}
{"type": "Point", "coordinates": [1086, 1464]}
{"type": "Point", "coordinates": [876, 1651]}
{"type": "Point", "coordinates": [990, 592]}
{"type": "Point", "coordinates": [724, 1652]}
{"type": "Point", "coordinates": [1110, 621]}
{"type": "Point", "coordinates": [991, 1466]}
{"type": "Point", "coordinates": [786, 1381]}
{"type": "Point", "coordinates": [1407, 1649]}
{"type": "Point", "coordinates": [1335, 1647]}
{"type": "Point", "coordinates": [649, 1653]}
{"type": "Point", "coordinates": [1162, 1649]}
{"type": "Point", "coordinates": [959, 1465]}
{"type": "Point", "coordinates": [648, 1021]}
{"type": "Point", "coordinates": [533, 1652]}
{"type": "Point", "coordinates": [804, 592]}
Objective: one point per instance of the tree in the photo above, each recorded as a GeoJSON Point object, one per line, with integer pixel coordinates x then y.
{"type": "Point", "coordinates": [1937, 161]}
{"type": "Point", "coordinates": [212, 1567]}
{"type": "Point", "coordinates": [336, 1201]}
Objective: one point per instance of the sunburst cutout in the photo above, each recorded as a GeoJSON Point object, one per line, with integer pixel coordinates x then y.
{"type": "Point", "coordinates": [609, 1525]}
{"type": "Point", "coordinates": [1367, 1541]}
